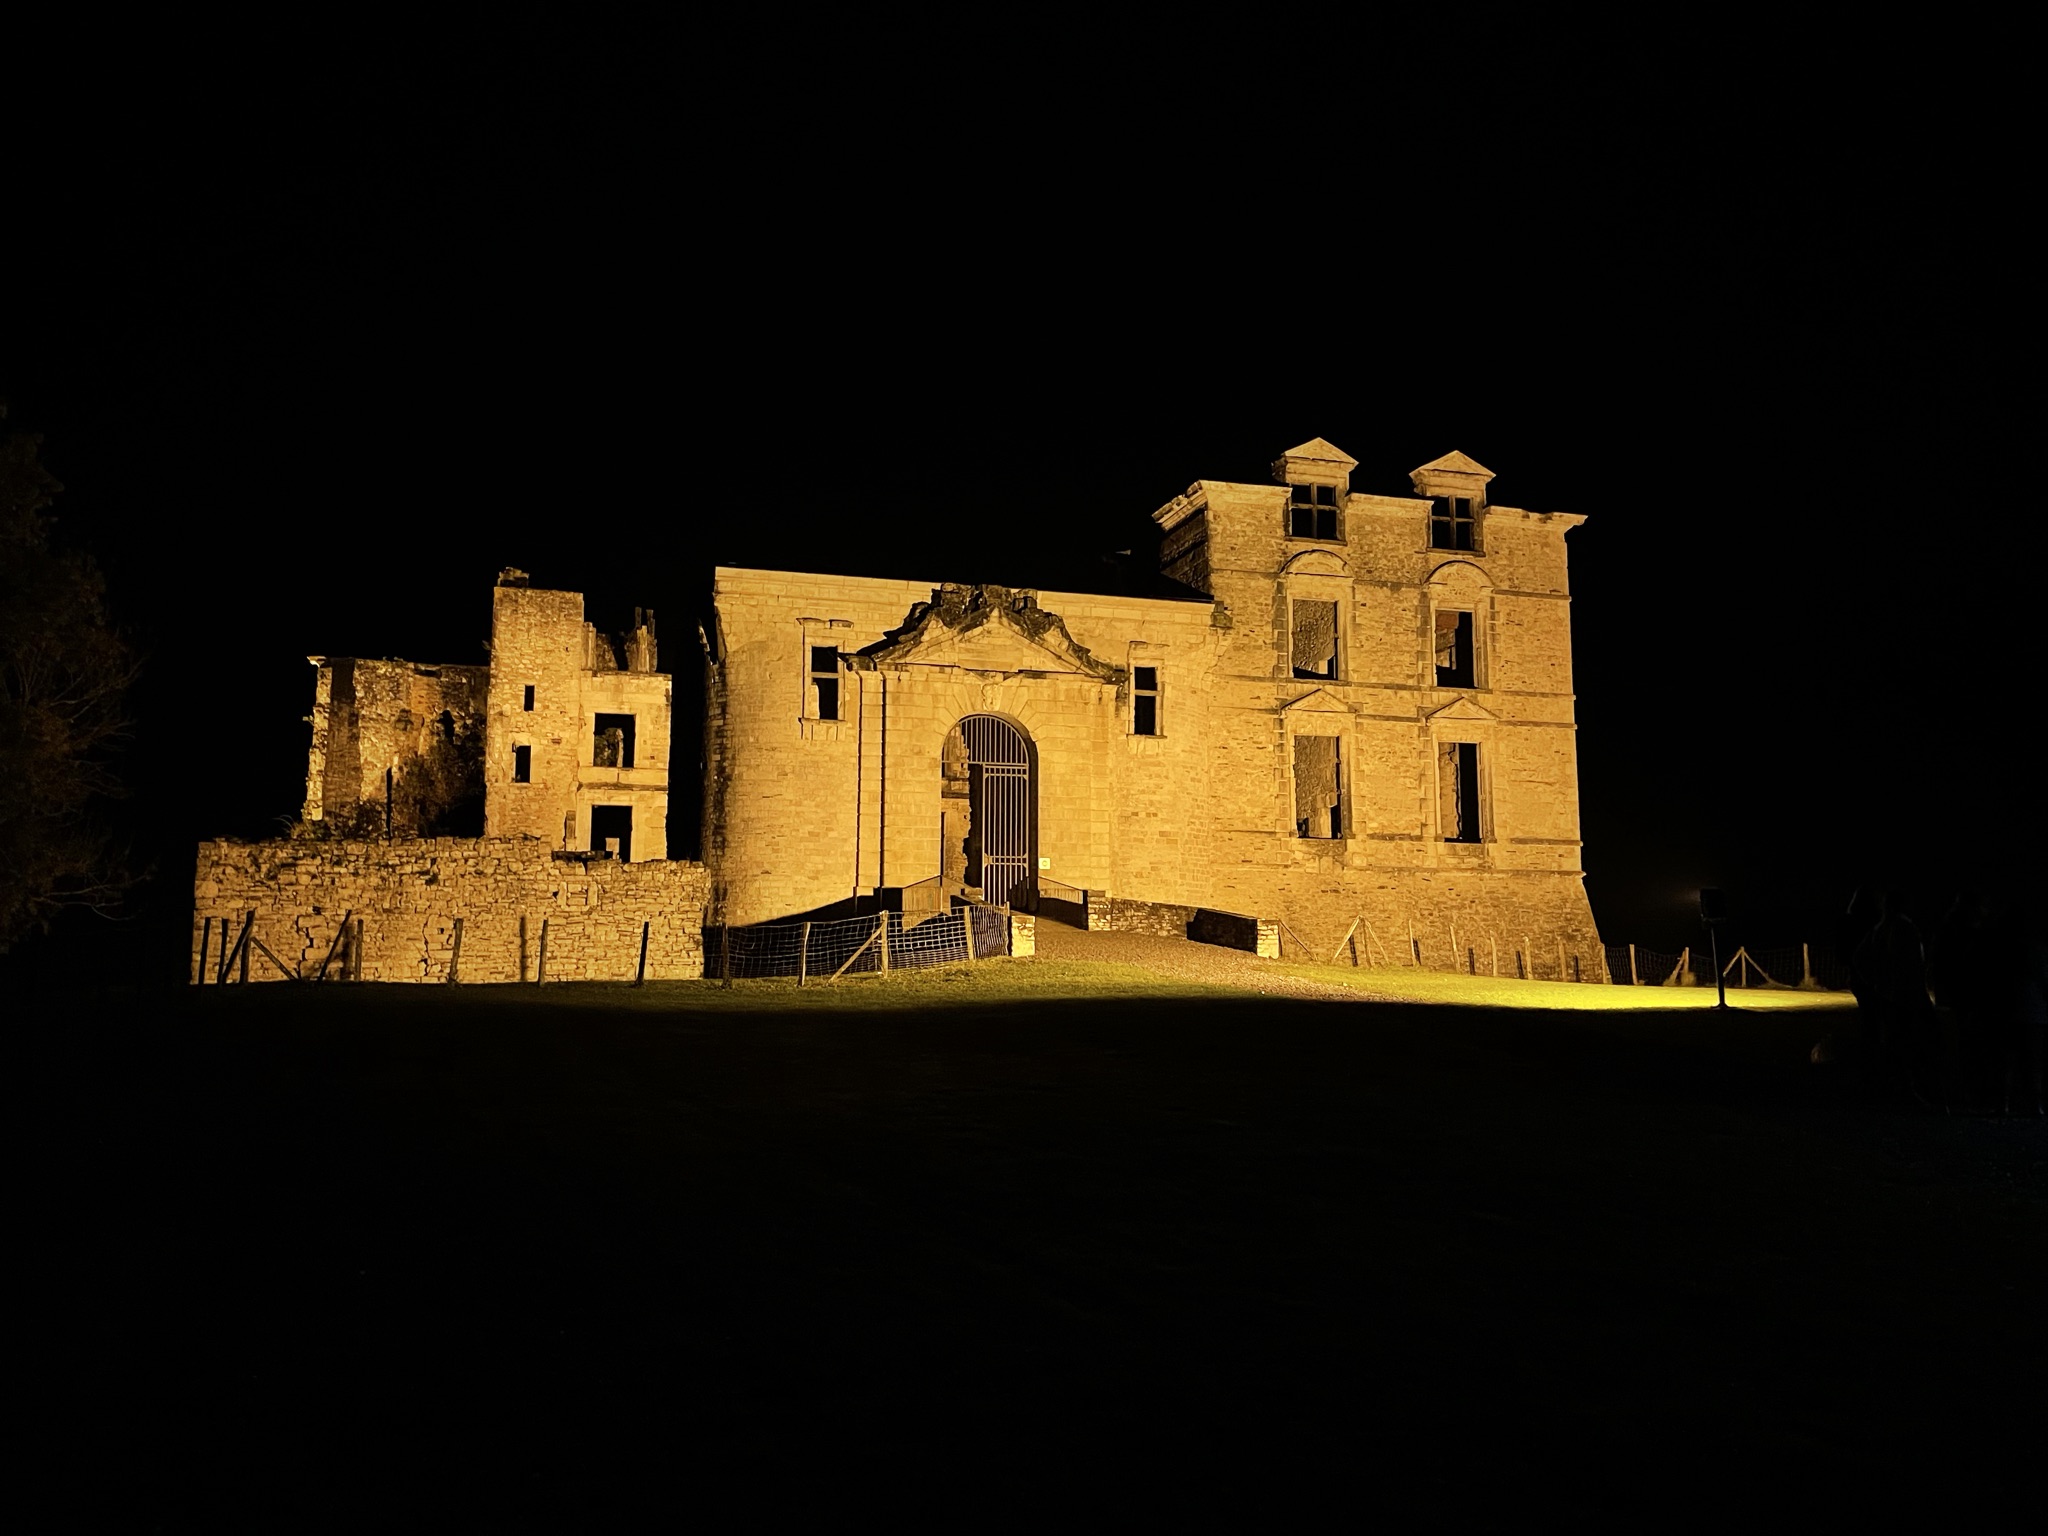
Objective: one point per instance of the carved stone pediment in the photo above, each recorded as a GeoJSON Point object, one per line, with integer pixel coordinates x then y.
{"type": "Point", "coordinates": [1319, 701]}
{"type": "Point", "coordinates": [1462, 711]}
{"type": "Point", "coordinates": [986, 629]}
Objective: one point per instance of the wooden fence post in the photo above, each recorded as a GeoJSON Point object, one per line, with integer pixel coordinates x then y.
{"type": "Point", "coordinates": [248, 930]}
{"type": "Point", "coordinates": [967, 929]}
{"type": "Point", "coordinates": [882, 917]}
{"type": "Point", "coordinates": [1493, 948]}
{"type": "Point", "coordinates": [803, 956]}
{"type": "Point", "coordinates": [541, 971]}
{"type": "Point", "coordinates": [1632, 981]}
{"type": "Point", "coordinates": [340, 934]}
{"type": "Point", "coordinates": [725, 954]}
{"type": "Point", "coordinates": [1805, 964]}
{"type": "Point", "coordinates": [640, 976]}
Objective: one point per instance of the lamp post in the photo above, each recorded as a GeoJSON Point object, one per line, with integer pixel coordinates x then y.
{"type": "Point", "coordinates": [1714, 912]}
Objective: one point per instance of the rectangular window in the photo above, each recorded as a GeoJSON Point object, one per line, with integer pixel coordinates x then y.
{"type": "Point", "coordinates": [611, 743]}
{"type": "Point", "coordinates": [1318, 787]}
{"type": "Point", "coordinates": [611, 831]}
{"type": "Point", "coordinates": [529, 698]}
{"type": "Point", "coordinates": [1457, 790]}
{"type": "Point", "coordinates": [824, 682]}
{"type": "Point", "coordinates": [1453, 524]}
{"type": "Point", "coordinates": [1144, 701]}
{"type": "Point", "coordinates": [1312, 511]}
{"type": "Point", "coordinates": [1315, 640]}
{"type": "Point", "coordinates": [1454, 663]}
{"type": "Point", "coordinates": [522, 765]}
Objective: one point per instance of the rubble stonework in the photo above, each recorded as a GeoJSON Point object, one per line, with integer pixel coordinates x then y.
{"type": "Point", "coordinates": [406, 897]}
{"type": "Point", "coordinates": [1445, 733]}
{"type": "Point", "coordinates": [397, 748]}
{"type": "Point", "coordinates": [558, 751]}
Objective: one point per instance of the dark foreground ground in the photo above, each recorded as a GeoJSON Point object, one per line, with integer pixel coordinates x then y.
{"type": "Point", "coordinates": [400, 1257]}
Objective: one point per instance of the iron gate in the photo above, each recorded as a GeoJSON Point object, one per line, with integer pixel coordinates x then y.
{"type": "Point", "coordinates": [999, 797]}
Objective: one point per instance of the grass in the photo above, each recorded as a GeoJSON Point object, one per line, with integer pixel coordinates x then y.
{"type": "Point", "coordinates": [1453, 988]}
{"type": "Point", "coordinates": [1053, 1235]}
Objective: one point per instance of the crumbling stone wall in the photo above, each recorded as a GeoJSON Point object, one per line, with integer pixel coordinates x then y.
{"type": "Point", "coordinates": [408, 896]}
{"type": "Point", "coordinates": [397, 749]}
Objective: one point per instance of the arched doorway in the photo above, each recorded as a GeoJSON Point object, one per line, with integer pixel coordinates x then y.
{"type": "Point", "coordinates": [989, 814]}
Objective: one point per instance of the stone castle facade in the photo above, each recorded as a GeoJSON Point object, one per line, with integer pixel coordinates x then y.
{"type": "Point", "coordinates": [1354, 716]}
{"type": "Point", "coordinates": [1346, 717]}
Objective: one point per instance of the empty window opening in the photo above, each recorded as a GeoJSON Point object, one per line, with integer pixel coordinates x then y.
{"type": "Point", "coordinates": [1315, 640]}
{"type": "Point", "coordinates": [1318, 787]}
{"type": "Point", "coordinates": [446, 725]}
{"type": "Point", "coordinates": [611, 831]}
{"type": "Point", "coordinates": [612, 742]}
{"type": "Point", "coordinates": [824, 682]}
{"type": "Point", "coordinates": [522, 765]}
{"type": "Point", "coordinates": [1312, 511]}
{"type": "Point", "coordinates": [1453, 524]}
{"type": "Point", "coordinates": [1144, 701]}
{"type": "Point", "coordinates": [1457, 788]}
{"type": "Point", "coordinates": [529, 699]}
{"type": "Point", "coordinates": [1454, 665]}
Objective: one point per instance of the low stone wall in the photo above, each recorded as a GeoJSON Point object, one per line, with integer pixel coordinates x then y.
{"type": "Point", "coordinates": [1231, 930]}
{"type": "Point", "coordinates": [404, 899]}
{"type": "Point", "coordinates": [1120, 915]}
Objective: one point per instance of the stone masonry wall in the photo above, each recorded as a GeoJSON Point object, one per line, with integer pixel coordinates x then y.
{"type": "Point", "coordinates": [408, 895]}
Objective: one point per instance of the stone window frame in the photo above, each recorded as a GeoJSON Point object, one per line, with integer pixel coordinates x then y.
{"type": "Point", "coordinates": [1329, 726]}
{"type": "Point", "coordinates": [1475, 521]}
{"type": "Point", "coordinates": [1459, 586]}
{"type": "Point", "coordinates": [1482, 742]}
{"type": "Point", "coordinates": [1152, 659]}
{"type": "Point", "coordinates": [815, 634]}
{"type": "Point", "coordinates": [1296, 501]}
{"type": "Point", "coordinates": [1334, 586]}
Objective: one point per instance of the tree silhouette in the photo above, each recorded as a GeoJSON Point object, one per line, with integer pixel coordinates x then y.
{"type": "Point", "coordinates": [64, 676]}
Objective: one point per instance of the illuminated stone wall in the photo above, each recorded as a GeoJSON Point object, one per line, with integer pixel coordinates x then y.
{"type": "Point", "coordinates": [801, 811]}
{"type": "Point", "coordinates": [411, 729]}
{"type": "Point", "coordinates": [408, 895]}
{"type": "Point", "coordinates": [539, 640]}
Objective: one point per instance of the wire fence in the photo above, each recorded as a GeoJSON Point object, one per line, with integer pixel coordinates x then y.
{"type": "Point", "coordinates": [1807, 967]}
{"type": "Point", "coordinates": [855, 946]}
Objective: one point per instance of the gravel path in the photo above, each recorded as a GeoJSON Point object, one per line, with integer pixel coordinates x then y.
{"type": "Point", "coordinates": [1185, 960]}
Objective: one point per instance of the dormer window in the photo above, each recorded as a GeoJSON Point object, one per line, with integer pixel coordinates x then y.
{"type": "Point", "coordinates": [1312, 512]}
{"type": "Point", "coordinates": [1453, 523]}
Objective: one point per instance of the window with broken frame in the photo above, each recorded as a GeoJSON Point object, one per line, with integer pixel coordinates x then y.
{"type": "Point", "coordinates": [1145, 699]}
{"type": "Point", "coordinates": [1313, 639]}
{"type": "Point", "coordinates": [1459, 810]}
{"type": "Point", "coordinates": [1318, 786]}
{"type": "Point", "coordinates": [822, 693]}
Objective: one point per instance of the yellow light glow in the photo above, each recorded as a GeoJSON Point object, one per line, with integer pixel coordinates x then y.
{"type": "Point", "coordinates": [1505, 992]}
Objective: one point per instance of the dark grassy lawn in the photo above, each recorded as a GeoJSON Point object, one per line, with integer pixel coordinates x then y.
{"type": "Point", "coordinates": [422, 1252]}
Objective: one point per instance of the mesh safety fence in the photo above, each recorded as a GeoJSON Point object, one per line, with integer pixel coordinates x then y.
{"type": "Point", "coordinates": [853, 946]}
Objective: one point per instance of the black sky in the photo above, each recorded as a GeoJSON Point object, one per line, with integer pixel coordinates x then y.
{"type": "Point", "coordinates": [316, 356]}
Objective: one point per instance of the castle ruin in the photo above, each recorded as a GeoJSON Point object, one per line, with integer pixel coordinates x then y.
{"type": "Point", "coordinates": [1345, 717]}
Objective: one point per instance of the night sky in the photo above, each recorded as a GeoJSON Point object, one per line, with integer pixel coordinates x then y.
{"type": "Point", "coordinates": [314, 359]}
